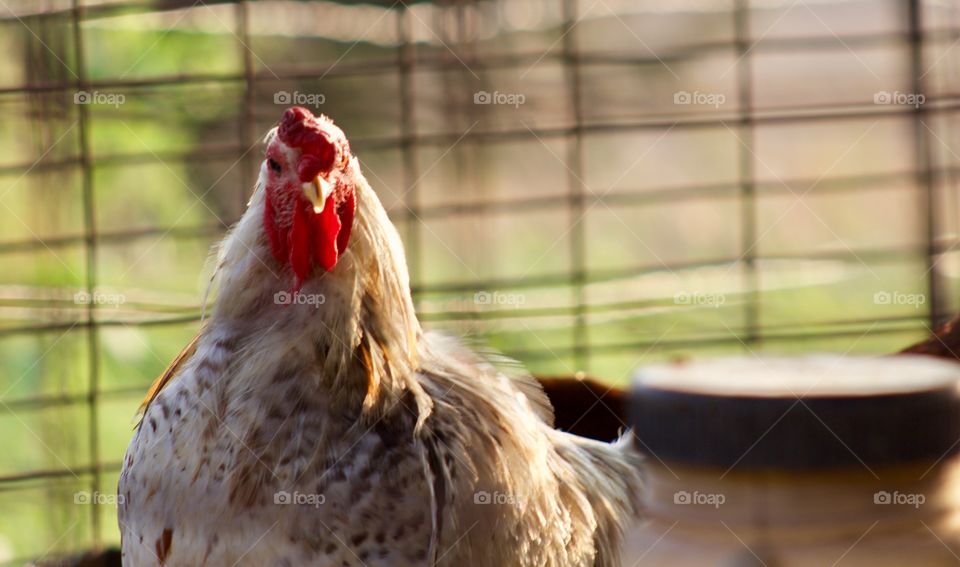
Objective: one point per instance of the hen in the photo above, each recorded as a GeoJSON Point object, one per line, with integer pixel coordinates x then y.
{"type": "Point", "coordinates": [313, 422]}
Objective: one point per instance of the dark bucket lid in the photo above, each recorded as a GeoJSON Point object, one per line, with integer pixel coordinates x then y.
{"type": "Point", "coordinates": [812, 412]}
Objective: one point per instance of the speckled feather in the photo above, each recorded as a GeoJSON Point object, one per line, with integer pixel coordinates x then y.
{"type": "Point", "coordinates": [400, 447]}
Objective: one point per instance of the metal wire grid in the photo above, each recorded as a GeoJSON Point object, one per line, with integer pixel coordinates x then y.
{"type": "Point", "coordinates": [461, 57]}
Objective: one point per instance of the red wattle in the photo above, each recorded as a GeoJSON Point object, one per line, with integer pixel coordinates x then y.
{"type": "Point", "coordinates": [299, 246]}
{"type": "Point", "coordinates": [327, 227]}
{"type": "Point", "coordinates": [314, 238]}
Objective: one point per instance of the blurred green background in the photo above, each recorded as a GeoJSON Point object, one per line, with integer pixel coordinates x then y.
{"type": "Point", "coordinates": [697, 179]}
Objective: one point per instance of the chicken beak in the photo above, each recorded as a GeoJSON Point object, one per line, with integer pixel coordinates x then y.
{"type": "Point", "coordinates": [316, 191]}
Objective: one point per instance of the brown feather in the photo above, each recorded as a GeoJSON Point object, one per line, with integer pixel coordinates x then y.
{"type": "Point", "coordinates": [171, 372]}
{"type": "Point", "coordinates": [373, 377]}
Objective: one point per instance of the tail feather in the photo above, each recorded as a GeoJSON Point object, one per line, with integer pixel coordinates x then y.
{"type": "Point", "coordinates": [611, 474]}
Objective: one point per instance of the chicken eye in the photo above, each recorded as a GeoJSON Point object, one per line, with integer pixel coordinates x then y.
{"type": "Point", "coordinates": [274, 165]}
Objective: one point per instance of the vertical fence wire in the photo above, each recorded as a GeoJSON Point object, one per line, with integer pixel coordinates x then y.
{"type": "Point", "coordinates": [925, 176]}
{"type": "Point", "coordinates": [90, 246]}
{"type": "Point", "coordinates": [746, 174]}
{"type": "Point", "coordinates": [413, 229]}
{"type": "Point", "coordinates": [575, 186]}
{"type": "Point", "coordinates": [248, 124]}
{"type": "Point", "coordinates": [949, 174]}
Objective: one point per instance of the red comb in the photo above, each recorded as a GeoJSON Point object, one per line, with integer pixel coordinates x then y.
{"type": "Point", "coordinates": [300, 129]}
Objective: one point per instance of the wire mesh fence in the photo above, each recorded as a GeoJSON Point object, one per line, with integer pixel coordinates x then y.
{"type": "Point", "coordinates": [585, 185]}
